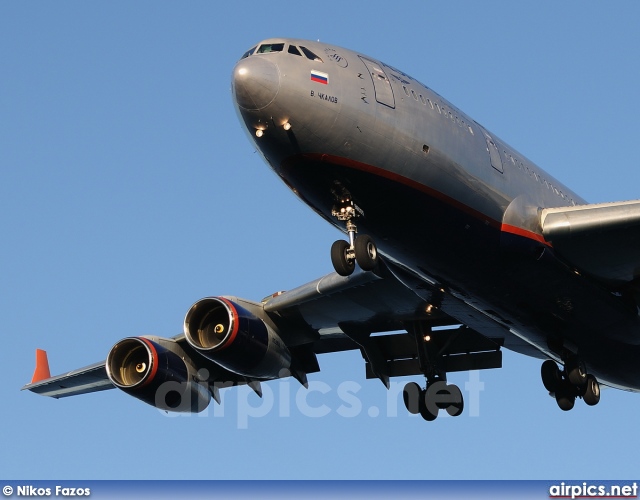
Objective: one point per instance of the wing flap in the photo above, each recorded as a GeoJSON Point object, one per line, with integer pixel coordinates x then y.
{"type": "Point", "coordinates": [462, 349]}
{"type": "Point", "coordinates": [602, 240]}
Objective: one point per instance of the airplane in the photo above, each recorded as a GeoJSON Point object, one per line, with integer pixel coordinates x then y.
{"type": "Point", "coordinates": [457, 247]}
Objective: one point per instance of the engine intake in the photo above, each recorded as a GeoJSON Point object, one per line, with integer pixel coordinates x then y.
{"type": "Point", "coordinates": [157, 374]}
{"type": "Point", "coordinates": [234, 338]}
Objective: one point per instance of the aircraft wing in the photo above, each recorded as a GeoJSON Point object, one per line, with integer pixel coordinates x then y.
{"type": "Point", "coordinates": [94, 378]}
{"type": "Point", "coordinates": [330, 314]}
{"type": "Point", "coordinates": [602, 240]}
{"type": "Point", "coordinates": [340, 313]}
{"type": "Point", "coordinates": [373, 301]}
{"type": "Point", "coordinates": [91, 378]}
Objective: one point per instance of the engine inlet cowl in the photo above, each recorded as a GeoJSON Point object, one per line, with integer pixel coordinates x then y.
{"type": "Point", "coordinates": [156, 374]}
{"type": "Point", "coordinates": [234, 338]}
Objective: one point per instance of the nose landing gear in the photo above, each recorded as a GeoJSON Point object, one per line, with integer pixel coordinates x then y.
{"type": "Point", "coordinates": [361, 249]}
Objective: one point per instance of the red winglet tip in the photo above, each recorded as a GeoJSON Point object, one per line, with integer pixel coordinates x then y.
{"type": "Point", "coordinates": [42, 367]}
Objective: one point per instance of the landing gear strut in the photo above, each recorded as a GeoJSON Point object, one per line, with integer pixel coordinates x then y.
{"type": "Point", "coordinates": [570, 383]}
{"type": "Point", "coordinates": [438, 394]}
{"type": "Point", "coordinates": [361, 249]}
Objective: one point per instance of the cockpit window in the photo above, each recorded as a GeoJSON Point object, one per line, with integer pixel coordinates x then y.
{"type": "Point", "coordinates": [265, 48]}
{"type": "Point", "coordinates": [248, 52]}
{"type": "Point", "coordinates": [310, 55]}
{"type": "Point", "coordinates": [294, 50]}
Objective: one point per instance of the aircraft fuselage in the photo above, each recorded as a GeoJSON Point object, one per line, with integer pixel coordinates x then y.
{"type": "Point", "coordinates": [450, 205]}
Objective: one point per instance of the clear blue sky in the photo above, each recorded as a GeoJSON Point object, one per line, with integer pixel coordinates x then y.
{"type": "Point", "coordinates": [128, 190]}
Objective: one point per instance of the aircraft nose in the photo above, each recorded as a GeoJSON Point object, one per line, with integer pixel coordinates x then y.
{"type": "Point", "coordinates": [256, 82]}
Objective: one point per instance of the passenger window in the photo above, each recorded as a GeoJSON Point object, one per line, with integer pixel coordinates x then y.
{"type": "Point", "coordinates": [413, 93]}
{"type": "Point", "coordinates": [405, 90]}
{"type": "Point", "coordinates": [248, 52]}
{"type": "Point", "coordinates": [294, 50]}
{"type": "Point", "coordinates": [265, 48]}
{"type": "Point", "coordinates": [309, 54]}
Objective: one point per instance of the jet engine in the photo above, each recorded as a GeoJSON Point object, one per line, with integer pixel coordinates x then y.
{"type": "Point", "coordinates": [157, 372]}
{"type": "Point", "coordinates": [236, 339]}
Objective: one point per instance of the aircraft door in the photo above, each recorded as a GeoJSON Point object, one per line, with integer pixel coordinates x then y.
{"type": "Point", "coordinates": [494, 154]}
{"type": "Point", "coordinates": [381, 83]}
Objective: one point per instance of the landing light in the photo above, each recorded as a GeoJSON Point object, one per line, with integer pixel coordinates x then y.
{"type": "Point", "coordinates": [259, 133]}
{"type": "Point", "coordinates": [287, 126]}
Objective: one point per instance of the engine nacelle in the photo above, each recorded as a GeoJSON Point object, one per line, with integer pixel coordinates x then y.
{"type": "Point", "coordinates": [156, 372]}
{"type": "Point", "coordinates": [229, 335]}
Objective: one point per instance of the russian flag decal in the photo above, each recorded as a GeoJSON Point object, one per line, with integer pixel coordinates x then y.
{"type": "Point", "coordinates": [318, 76]}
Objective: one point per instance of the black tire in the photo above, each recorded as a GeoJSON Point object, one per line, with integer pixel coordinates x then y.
{"type": "Point", "coordinates": [456, 408]}
{"type": "Point", "coordinates": [576, 371]}
{"type": "Point", "coordinates": [366, 252]}
{"type": "Point", "coordinates": [424, 409]}
{"type": "Point", "coordinates": [438, 389]}
{"type": "Point", "coordinates": [565, 399]}
{"type": "Point", "coordinates": [411, 395]}
{"type": "Point", "coordinates": [551, 376]}
{"type": "Point", "coordinates": [591, 394]}
{"type": "Point", "coordinates": [342, 265]}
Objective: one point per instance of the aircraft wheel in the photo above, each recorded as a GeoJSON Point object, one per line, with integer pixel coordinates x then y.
{"type": "Point", "coordinates": [343, 265]}
{"type": "Point", "coordinates": [456, 407]}
{"type": "Point", "coordinates": [576, 371]}
{"type": "Point", "coordinates": [366, 252]}
{"type": "Point", "coordinates": [551, 376]}
{"type": "Point", "coordinates": [565, 399]}
{"type": "Point", "coordinates": [425, 412]}
{"type": "Point", "coordinates": [592, 391]}
{"type": "Point", "coordinates": [438, 393]}
{"type": "Point", "coordinates": [411, 394]}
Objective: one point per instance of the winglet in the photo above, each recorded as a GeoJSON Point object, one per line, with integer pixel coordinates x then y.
{"type": "Point", "coordinates": [42, 367]}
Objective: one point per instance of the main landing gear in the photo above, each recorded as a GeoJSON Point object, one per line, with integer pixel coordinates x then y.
{"type": "Point", "coordinates": [437, 394]}
{"type": "Point", "coordinates": [361, 249]}
{"type": "Point", "coordinates": [571, 383]}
